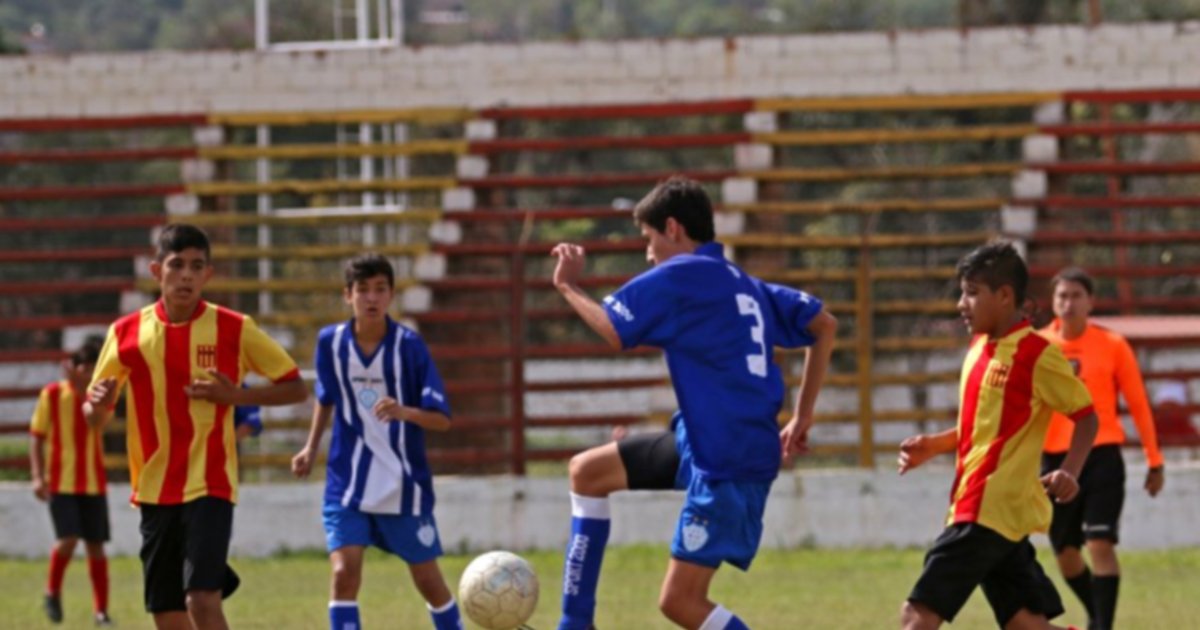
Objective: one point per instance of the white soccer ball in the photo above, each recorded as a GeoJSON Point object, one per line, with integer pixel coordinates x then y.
{"type": "Point", "coordinates": [499, 590]}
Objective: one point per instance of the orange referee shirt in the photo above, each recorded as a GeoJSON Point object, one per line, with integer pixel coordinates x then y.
{"type": "Point", "coordinates": [182, 449]}
{"type": "Point", "coordinates": [1008, 388]}
{"type": "Point", "coordinates": [1105, 363]}
{"type": "Point", "coordinates": [76, 459]}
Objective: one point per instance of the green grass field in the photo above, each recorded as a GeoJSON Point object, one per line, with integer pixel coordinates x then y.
{"type": "Point", "coordinates": [785, 589]}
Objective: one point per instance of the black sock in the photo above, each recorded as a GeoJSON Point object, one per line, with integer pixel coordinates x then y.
{"type": "Point", "coordinates": [1104, 594]}
{"type": "Point", "coordinates": [1082, 586]}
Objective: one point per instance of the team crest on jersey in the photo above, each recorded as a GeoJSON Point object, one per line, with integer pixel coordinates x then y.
{"type": "Point", "coordinates": [367, 397]}
{"type": "Point", "coordinates": [997, 375]}
{"type": "Point", "coordinates": [695, 535]}
{"type": "Point", "coordinates": [206, 356]}
{"type": "Point", "coordinates": [426, 534]}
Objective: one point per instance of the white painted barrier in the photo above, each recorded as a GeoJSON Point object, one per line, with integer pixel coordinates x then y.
{"type": "Point", "coordinates": [825, 508]}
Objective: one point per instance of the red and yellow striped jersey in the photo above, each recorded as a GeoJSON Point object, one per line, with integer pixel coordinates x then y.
{"type": "Point", "coordinates": [1009, 388]}
{"type": "Point", "coordinates": [76, 458]}
{"type": "Point", "coordinates": [182, 449]}
{"type": "Point", "coordinates": [1105, 363]}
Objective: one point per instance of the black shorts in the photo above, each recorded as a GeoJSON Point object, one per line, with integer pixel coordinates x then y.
{"type": "Point", "coordinates": [651, 460]}
{"type": "Point", "coordinates": [80, 516]}
{"type": "Point", "coordinates": [184, 548]}
{"type": "Point", "coordinates": [967, 555]}
{"type": "Point", "coordinates": [1095, 513]}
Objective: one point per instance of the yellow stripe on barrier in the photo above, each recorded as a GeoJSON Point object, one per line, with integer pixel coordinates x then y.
{"type": "Point", "coordinates": [850, 380]}
{"type": "Point", "coordinates": [874, 240]}
{"type": "Point", "coordinates": [248, 285]}
{"type": "Point", "coordinates": [312, 151]}
{"type": "Point", "coordinates": [312, 251]}
{"type": "Point", "coordinates": [239, 219]}
{"type": "Point", "coordinates": [907, 102]}
{"type": "Point", "coordinates": [425, 115]}
{"type": "Point", "coordinates": [883, 172]}
{"type": "Point", "coordinates": [895, 136]}
{"type": "Point", "coordinates": [848, 275]}
{"type": "Point", "coordinates": [867, 206]}
{"type": "Point", "coordinates": [313, 187]}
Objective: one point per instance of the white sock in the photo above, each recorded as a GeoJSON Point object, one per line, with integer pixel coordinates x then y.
{"type": "Point", "coordinates": [589, 507]}
{"type": "Point", "coordinates": [717, 619]}
{"type": "Point", "coordinates": [440, 609]}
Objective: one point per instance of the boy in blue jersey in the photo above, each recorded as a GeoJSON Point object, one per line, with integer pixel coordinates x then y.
{"type": "Point", "coordinates": [378, 384]}
{"type": "Point", "coordinates": [718, 327]}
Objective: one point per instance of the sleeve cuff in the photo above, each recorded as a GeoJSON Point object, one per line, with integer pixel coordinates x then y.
{"type": "Point", "coordinates": [290, 376]}
{"type": "Point", "coordinates": [1082, 413]}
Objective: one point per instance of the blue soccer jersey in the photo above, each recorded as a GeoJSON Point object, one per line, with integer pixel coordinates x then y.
{"type": "Point", "coordinates": [374, 466]}
{"type": "Point", "coordinates": [718, 327]}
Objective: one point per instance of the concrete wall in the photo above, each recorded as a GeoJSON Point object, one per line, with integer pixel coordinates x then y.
{"type": "Point", "coordinates": [934, 61]}
{"type": "Point", "coordinates": [833, 508]}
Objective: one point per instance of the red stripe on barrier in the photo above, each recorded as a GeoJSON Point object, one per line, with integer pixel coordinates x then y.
{"type": "Point", "coordinates": [639, 110]}
{"type": "Point", "coordinates": [31, 356]}
{"type": "Point", "coordinates": [1115, 129]}
{"type": "Point", "coordinates": [1148, 201]}
{"type": "Point", "coordinates": [504, 145]}
{"type": "Point", "coordinates": [81, 223]}
{"type": "Point", "coordinates": [1156, 271]}
{"type": "Point", "coordinates": [19, 392]}
{"type": "Point", "coordinates": [66, 286]}
{"type": "Point", "coordinates": [1119, 168]}
{"type": "Point", "coordinates": [497, 249]}
{"type": "Point", "coordinates": [61, 193]}
{"type": "Point", "coordinates": [589, 181]}
{"type": "Point", "coordinates": [541, 214]}
{"type": "Point", "coordinates": [71, 255]}
{"type": "Point", "coordinates": [97, 155]}
{"type": "Point", "coordinates": [1131, 96]}
{"type": "Point", "coordinates": [31, 125]}
{"type": "Point", "coordinates": [56, 322]}
{"type": "Point", "coordinates": [1126, 238]}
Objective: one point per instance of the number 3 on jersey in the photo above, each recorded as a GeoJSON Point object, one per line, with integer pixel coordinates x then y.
{"type": "Point", "coordinates": [748, 306]}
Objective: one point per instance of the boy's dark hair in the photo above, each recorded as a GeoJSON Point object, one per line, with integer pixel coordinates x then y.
{"type": "Point", "coordinates": [996, 264]}
{"type": "Point", "coordinates": [88, 353]}
{"type": "Point", "coordinates": [368, 266]}
{"type": "Point", "coordinates": [682, 199]}
{"type": "Point", "coordinates": [1074, 274]}
{"type": "Point", "coordinates": [176, 237]}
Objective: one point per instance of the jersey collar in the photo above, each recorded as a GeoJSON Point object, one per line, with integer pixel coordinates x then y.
{"type": "Point", "coordinates": [160, 310]}
{"type": "Point", "coordinates": [711, 249]}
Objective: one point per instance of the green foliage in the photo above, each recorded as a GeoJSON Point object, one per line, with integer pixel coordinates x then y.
{"type": "Point", "coordinates": [108, 25]}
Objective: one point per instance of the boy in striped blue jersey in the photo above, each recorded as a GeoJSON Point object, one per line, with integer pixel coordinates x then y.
{"type": "Point", "coordinates": [379, 386]}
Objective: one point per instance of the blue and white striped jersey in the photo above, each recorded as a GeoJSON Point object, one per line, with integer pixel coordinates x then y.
{"type": "Point", "coordinates": [375, 466]}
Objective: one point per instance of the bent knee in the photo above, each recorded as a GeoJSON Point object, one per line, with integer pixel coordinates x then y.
{"type": "Point", "coordinates": [914, 616]}
{"type": "Point", "coordinates": [596, 472]}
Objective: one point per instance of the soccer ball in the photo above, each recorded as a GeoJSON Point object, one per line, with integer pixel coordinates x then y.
{"type": "Point", "coordinates": [499, 590]}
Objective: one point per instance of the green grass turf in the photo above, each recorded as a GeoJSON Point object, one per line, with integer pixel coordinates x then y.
{"type": "Point", "coordinates": [784, 590]}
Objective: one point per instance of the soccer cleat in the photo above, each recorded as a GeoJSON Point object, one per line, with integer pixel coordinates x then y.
{"type": "Point", "coordinates": [104, 621]}
{"type": "Point", "coordinates": [53, 607]}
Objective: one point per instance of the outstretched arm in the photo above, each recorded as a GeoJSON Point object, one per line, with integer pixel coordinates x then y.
{"type": "Point", "coordinates": [571, 261]}
{"type": "Point", "coordinates": [918, 449]}
{"type": "Point", "coordinates": [794, 436]}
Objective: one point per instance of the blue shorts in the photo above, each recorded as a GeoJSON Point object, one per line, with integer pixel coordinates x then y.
{"type": "Point", "coordinates": [414, 538]}
{"type": "Point", "coordinates": [721, 522]}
